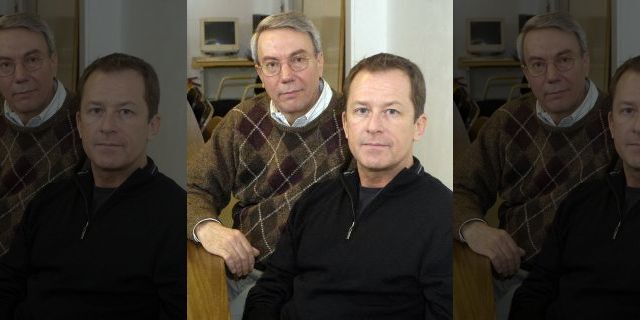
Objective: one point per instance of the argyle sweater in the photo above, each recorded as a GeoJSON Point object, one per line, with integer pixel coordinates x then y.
{"type": "Point", "coordinates": [531, 166]}
{"type": "Point", "coordinates": [265, 165]}
{"type": "Point", "coordinates": [32, 157]}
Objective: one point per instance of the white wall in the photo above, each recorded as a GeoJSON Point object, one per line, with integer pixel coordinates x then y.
{"type": "Point", "coordinates": [624, 28]}
{"type": "Point", "coordinates": [420, 30]}
{"type": "Point", "coordinates": [241, 9]}
{"type": "Point", "coordinates": [153, 30]}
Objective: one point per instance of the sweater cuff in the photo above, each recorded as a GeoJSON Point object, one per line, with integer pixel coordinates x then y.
{"type": "Point", "coordinates": [195, 238]}
{"type": "Point", "coordinates": [460, 228]}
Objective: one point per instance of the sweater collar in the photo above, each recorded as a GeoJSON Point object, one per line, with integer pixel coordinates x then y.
{"type": "Point", "coordinates": [404, 177]}
{"type": "Point", "coordinates": [140, 176]}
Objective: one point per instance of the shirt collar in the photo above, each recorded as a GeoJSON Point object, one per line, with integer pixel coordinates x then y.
{"type": "Point", "coordinates": [46, 114]}
{"type": "Point", "coordinates": [587, 104]}
{"type": "Point", "coordinates": [321, 104]}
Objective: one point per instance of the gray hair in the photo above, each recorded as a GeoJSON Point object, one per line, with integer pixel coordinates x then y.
{"type": "Point", "coordinates": [559, 20]}
{"type": "Point", "coordinates": [30, 22]}
{"type": "Point", "coordinates": [289, 20]}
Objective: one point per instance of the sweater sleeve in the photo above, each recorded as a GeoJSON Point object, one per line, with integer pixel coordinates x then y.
{"type": "Point", "coordinates": [532, 299]}
{"type": "Point", "coordinates": [476, 180]}
{"type": "Point", "coordinates": [170, 273]}
{"type": "Point", "coordinates": [210, 175]}
{"type": "Point", "coordinates": [14, 271]}
{"type": "Point", "coordinates": [436, 265]}
{"type": "Point", "coordinates": [275, 288]}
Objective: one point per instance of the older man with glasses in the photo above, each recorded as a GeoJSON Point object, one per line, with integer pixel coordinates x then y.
{"type": "Point", "coordinates": [532, 152]}
{"type": "Point", "coordinates": [38, 135]}
{"type": "Point", "coordinates": [266, 152]}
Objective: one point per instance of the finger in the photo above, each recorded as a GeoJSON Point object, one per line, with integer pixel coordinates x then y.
{"type": "Point", "coordinates": [242, 259]}
{"type": "Point", "coordinates": [248, 251]}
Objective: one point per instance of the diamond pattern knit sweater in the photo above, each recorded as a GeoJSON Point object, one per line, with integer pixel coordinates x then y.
{"type": "Point", "coordinates": [265, 165]}
{"type": "Point", "coordinates": [531, 166]}
{"type": "Point", "coordinates": [32, 157]}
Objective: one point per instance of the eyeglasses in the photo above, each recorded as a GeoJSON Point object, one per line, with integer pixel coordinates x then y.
{"type": "Point", "coordinates": [562, 64]}
{"type": "Point", "coordinates": [297, 63]}
{"type": "Point", "coordinates": [30, 63]}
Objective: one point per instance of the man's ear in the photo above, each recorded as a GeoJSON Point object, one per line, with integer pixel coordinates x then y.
{"type": "Point", "coordinates": [154, 126]}
{"type": "Point", "coordinates": [420, 126]}
{"type": "Point", "coordinates": [78, 124]}
{"type": "Point", "coordinates": [611, 126]}
{"type": "Point", "coordinates": [344, 124]}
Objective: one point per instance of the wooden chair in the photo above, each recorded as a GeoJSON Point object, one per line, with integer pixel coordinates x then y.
{"type": "Point", "coordinates": [206, 285]}
{"type": "Point", "coordinates": [472, 285]}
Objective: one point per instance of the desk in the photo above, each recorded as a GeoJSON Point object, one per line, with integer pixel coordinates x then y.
{"type": "Point", "coordinates": [487, 62]}
{"type": "Point", "coordinates": [213, 70]}
{"type": "Point", "coordinates": [479, 69]}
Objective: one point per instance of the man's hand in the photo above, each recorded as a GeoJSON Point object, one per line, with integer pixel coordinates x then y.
{"type": "Point", "coordinates": [496, 244]}
{"type": "Point", "coordinates": [230, 244]}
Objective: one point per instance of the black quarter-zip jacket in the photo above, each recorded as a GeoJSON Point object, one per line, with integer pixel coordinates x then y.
{"type": "Point", "coordinates": [589, 265]}
{"type": "Point", "coordinates": [390, 261]}
{"type": "Point", "coordinates": [125, 260]}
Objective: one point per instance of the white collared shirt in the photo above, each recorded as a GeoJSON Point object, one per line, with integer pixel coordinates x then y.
{"type": "Point", "coordinates": [587, 104]}
{"type": "Point", "coordinates": [323, 102]}
{"type": "Point", "coordinates": [46, 114]}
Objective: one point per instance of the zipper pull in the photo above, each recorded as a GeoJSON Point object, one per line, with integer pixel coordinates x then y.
{"type": "Point", "coordinates": [615, 232]}
{"type": "Point", "coordinates": [84, 230]}
{"type": "Point", "coordinates": [351, 229]}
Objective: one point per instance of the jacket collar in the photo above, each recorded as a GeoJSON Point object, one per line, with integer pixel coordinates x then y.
{"type": "Point", "coordinates": [84, 177]}
{"type": "Point", "coordinates": [351, 179]}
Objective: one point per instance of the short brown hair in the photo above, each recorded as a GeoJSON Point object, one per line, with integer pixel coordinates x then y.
{"type": "Point", "coordinates": [633, 64]}
{"type": "Point", "coordinates": [121, 62]}
{"type": "Point", "coordinates": [385, 62]}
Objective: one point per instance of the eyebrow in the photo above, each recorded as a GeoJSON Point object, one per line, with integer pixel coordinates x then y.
{"type": "Point", "coordinates": [557, 54]}
{"type": "Point", "coordinates": [386, 103]}
{"type": "Point", "coordinates": [299, 51]}
{"type": "Point", "coordinates": [30, 52]}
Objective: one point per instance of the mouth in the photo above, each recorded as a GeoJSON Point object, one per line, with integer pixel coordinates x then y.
{"type": "Point", "coordinates": [108, 145]}
{"type": "Point", "coordinates": [375, 145]}
{"type": "Point", "coordinates": [290, 93]}
{"type": "Point", "coordinates": [556, 93]}
{"type": "Point", "coordinates": [23, 93]}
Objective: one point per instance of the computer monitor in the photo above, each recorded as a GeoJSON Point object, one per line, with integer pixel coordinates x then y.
{"type": "Point", "coordinates": [485, 36]}
{"type": "Point", "coordinates": [219, 35]}
{"type": "Point", "coordinates": [256, 20]}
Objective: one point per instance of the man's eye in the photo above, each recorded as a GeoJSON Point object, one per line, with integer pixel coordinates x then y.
{"type": "Point", "coordinates": [271, 64]}
{"type": "Point", "coordinates": [94, 111]}
{"type": "Point", "coordinates": [6, 64]}
{"type": "Point", "coordinates": [537, 65]}
{"type": "Point", "coordinates": [360, 110]}
{"type": "Point", "coordinates": [392, 112]}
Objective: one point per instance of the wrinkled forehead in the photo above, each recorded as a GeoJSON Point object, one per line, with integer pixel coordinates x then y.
{"type": "Point", "coordinates": [284, 42]}
{"type": "Point", "coordinates": [21, 41]}
{"type": "Point", "coordinates": [550, 42]}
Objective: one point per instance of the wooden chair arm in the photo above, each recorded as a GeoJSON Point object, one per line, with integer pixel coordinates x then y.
{"type": "Point", "coordinates": [206, 285]}
{"type": "Point", "coordinates": [472, 285]}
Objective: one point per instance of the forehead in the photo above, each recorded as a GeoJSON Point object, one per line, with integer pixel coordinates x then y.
{"type": "Point", "coordinates": [628, 87]}
{"type": "Point", "coordinates": [380, 87]}
{"type": "Point", "coordinates": [18, 41]}
{"type": "Point", "coordinates": [549, 42]}
{"type": "Point", "coordinates": [283, 42]}
{"type": "Point", "coordinates": [113, 87]}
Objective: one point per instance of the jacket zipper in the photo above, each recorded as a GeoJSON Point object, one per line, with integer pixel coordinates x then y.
{"type": "Point", "coordinates": [615, 231]}
{"type": "Point", "coordinates": [86, 210]}
{"type": "Point", "coordinates": [353, 214]}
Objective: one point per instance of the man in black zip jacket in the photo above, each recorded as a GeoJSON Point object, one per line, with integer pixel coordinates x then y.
{"type": "Point", "coordinates": [374, 243]}
{"type": "Point", "coordinates": [107, 243]}
{"type": "Point", "coordinates": [588, 267]}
